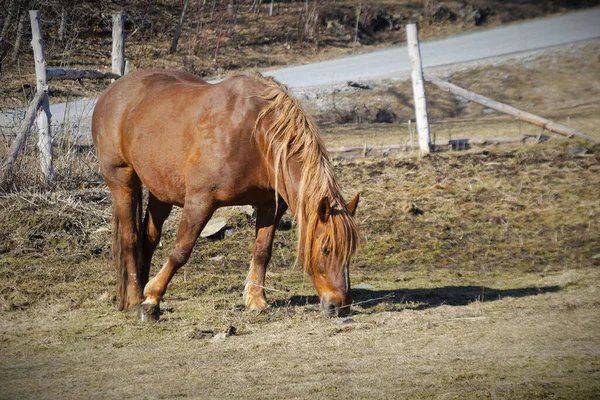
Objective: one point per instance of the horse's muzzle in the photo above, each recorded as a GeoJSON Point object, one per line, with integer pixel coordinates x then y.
{"type": "Point", "coordinates": [332, 309]}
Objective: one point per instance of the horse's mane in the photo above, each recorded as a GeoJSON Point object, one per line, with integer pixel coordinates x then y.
{"type": "Point", "coordinates": [293, 132]}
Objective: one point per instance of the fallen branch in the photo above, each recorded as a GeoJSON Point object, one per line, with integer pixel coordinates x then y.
{"type": "Point", "coordinates": [523, 115]}
{"type": "Point", "coordinates": [17, 145]}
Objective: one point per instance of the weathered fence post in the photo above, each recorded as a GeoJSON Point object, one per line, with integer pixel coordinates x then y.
{"type": "Point", "coordinates": [414, 53]}
{"type": "Point", "coordinates": [43, 116]}
{"type": "Point", "coordinates": [118, 45]}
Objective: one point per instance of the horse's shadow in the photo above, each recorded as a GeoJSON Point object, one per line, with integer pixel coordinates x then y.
{"type": "Point", "coordinates": [420, 299]}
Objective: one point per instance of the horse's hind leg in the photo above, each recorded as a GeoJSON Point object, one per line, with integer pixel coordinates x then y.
{"type": "Point", "coordinates": [194, 217]}
{"type": "Point", "coordinates": [267, 220]}
{"type": "Point", "coordinates": [125, 187]}
{"type": "Point", "coordinates": [156, 214]}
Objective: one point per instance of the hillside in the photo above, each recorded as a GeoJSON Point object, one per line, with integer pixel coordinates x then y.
{"type": "Point", "coordinates": [219, 37]}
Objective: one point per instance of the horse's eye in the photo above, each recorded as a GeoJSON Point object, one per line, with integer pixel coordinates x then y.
{"type": "Point", "coordinates": [326, 251]}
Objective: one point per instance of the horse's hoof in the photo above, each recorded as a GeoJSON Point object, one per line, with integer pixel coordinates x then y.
{"type": "Point", "coordinates": [257, 305]}
{"type": "Point", "coordinates": [148, 312]}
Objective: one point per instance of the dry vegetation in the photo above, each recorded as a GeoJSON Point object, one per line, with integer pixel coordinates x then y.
{"type": "Point", "coordinates": [490, 291]}
{"type": "Point", "coordinates": [481, 274]}
{"type": "Point", "coordinates": [477, 275]}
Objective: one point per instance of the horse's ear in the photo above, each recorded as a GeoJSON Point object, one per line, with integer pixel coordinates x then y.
{"type": "Point", "coordinates": [351, 206]}
{"type": "Point", "coordinates": [324, 210]}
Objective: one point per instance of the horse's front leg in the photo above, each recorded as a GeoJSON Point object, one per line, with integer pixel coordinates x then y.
{"type": "Point", "coordinates": [194, 217]}
{"type": "Point", "coordinates": [267, 220]}
{"type": "Point", "coordinates": [156, 214]}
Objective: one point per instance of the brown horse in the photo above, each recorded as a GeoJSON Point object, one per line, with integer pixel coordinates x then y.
{"type": "Point", "coordinates": [202, 146]}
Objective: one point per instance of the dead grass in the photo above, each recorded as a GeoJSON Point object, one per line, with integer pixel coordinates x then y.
{"type": "Point", "coordinates": [491, 292]}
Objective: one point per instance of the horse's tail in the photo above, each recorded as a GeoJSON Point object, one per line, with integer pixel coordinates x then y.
{"type": "Point", "coordinates": [117, 252]}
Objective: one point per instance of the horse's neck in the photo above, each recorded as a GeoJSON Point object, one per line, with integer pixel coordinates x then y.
{"type": "Point", "coordinates": [289, 188]}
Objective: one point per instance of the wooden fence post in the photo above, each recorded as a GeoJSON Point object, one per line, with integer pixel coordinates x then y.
{"type": "Point", "coordinates": [43, 116]}
{"type": "Point", "coordinates": [118, 45]}
{"type": "Point", "coordinates": [414, 53]}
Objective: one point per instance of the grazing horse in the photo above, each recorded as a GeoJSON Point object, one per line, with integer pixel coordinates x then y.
{"type": "Point", "coordinates": [202, 146]}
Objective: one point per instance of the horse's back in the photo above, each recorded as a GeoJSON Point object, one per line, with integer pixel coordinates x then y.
{"type": "Point", "coordinates": [124, 94]}
{"type": "Point", "coordinates": [165, 122]}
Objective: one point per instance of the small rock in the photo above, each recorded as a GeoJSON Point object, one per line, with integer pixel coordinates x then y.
{"type": "Point", "coordinates": [411, 208]}
{"type": "Point", "coordinates": [219, 336]}
{"type": "Point", "coordinates": [248, 210]}
{"type": "Point", "coordinates": [224, 335]}
{"type": "Point", "coordinates": [213, 227]}
{"type": "Point", "coordinates": [344, 321]}
{"type": "Point", "coordinates": [232, 330]}
{"type": "Point", "coordinates": [461, 100]}
{"type": "Point", "coordinates": [359, 85]}
{"type": "Point", "coordinates": [442, 13]}
{"type": "Point", "coordinates": [363, 286]}
{"type": "Point", "coordinates": [216, 258]}
{"type": "Point", "coordinates": [576, 151]}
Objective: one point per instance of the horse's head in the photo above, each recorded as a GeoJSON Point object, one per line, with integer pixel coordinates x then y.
{"type": "Point", "coordinates": [333, 242]}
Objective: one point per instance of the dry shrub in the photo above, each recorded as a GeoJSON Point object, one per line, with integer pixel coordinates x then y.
{"type": "Point", "coordinates": [362, 114]}
{"type": "Point", "coordinates": [75, 164]}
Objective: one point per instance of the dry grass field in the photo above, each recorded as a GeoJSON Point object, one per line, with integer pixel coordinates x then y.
{"type": "Point", "coordinates": [490, 292]}
{"type": "Point", "coordinates": [477, 276]}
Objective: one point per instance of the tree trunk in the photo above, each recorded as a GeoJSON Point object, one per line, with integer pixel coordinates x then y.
{"type": "Point", "coordinates": [358, 10]}
{"type": "Point", "coordinates": [173, 48]}
{"type": "Point", "coordinates": [15, 54]}
{"type": "Point", "coordinates": [63, 22]}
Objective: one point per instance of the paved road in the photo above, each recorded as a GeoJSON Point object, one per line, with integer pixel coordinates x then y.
{"type": "Point", "coordinates": [393, 62]}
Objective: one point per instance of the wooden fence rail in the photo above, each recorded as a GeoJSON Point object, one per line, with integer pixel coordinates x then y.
{"type": "Point", "coordinates": [506, 109]}
{"type": "Point", "coordinates": [421, 103]}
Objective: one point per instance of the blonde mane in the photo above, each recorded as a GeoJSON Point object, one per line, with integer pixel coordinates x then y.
{"type": "Point", "coordinates": [293, 133]}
